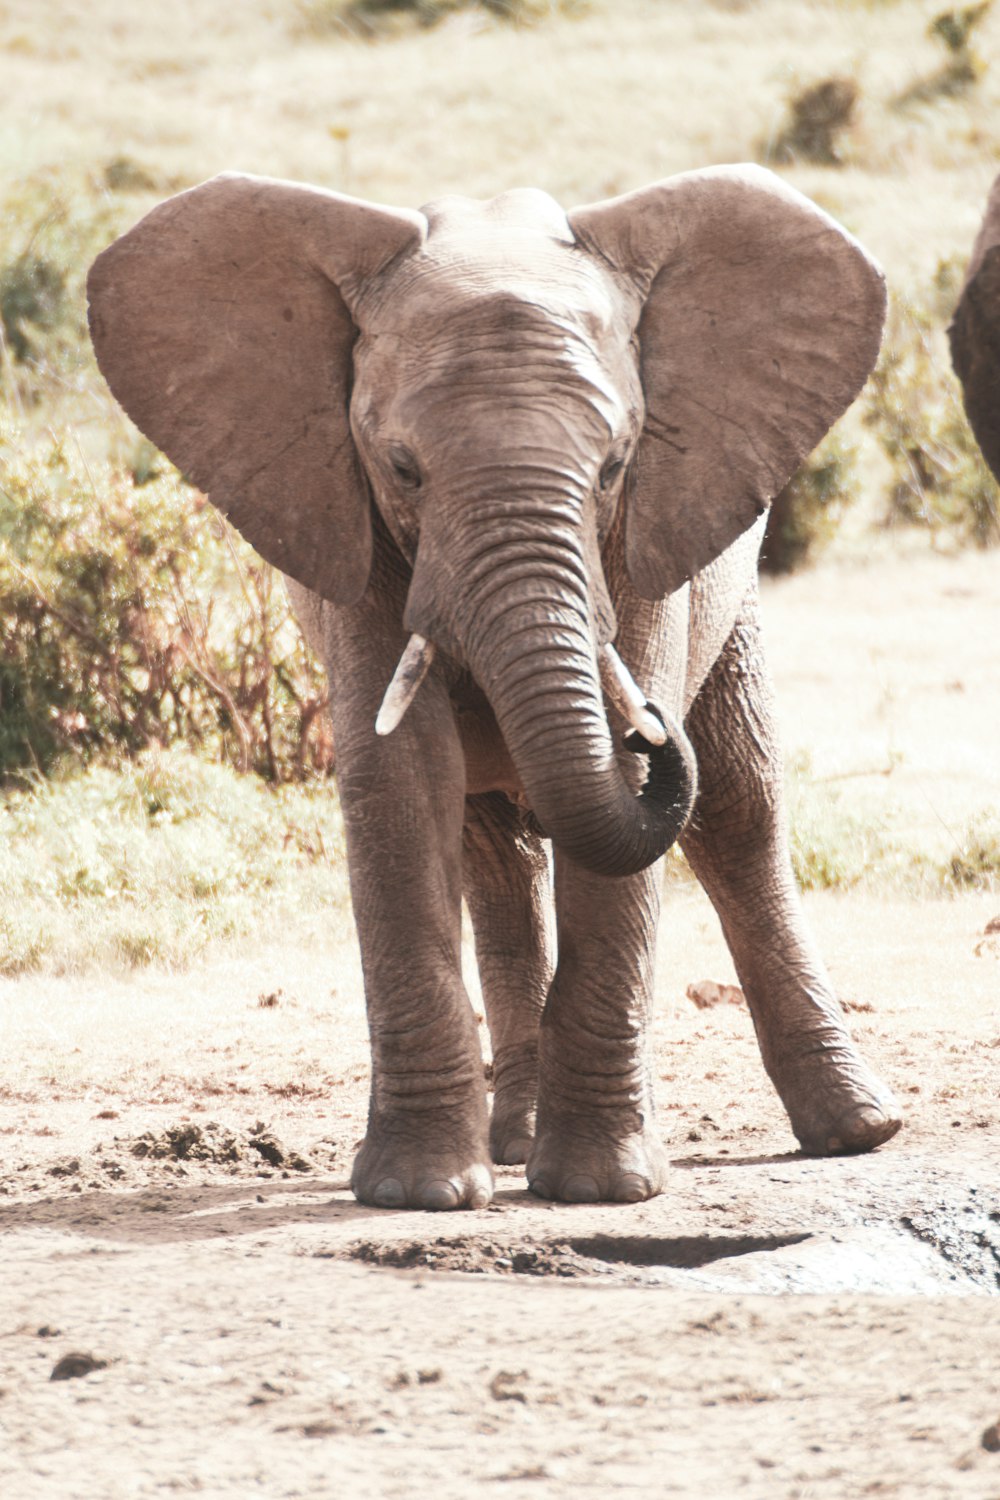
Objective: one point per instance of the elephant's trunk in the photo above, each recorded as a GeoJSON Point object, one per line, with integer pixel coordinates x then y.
{"type": "Point", "coordinates": [524, 621]}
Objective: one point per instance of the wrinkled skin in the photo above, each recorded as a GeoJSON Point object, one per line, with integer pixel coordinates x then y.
{"type": "Point", "coordinates": [975, 334]}
{"type": "Point", "coordinates": [521, 435]}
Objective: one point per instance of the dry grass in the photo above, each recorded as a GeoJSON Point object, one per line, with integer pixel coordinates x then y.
{"type": "Point", "coordinates": [583, 106]}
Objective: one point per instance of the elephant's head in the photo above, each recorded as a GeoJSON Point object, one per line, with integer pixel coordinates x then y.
{"type": "Point", "coordinates": [975, 334]}
{"type": "Point", "coordinates": [494, 376]}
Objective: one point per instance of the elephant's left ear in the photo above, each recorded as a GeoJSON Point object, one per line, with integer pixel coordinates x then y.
{"type": "Point", "coordinates": [762, 319]}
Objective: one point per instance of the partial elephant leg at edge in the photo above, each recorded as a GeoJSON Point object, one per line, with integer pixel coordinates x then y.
{"type": "Point", "coordinates": [508, 891]}
{"type": "Point", "coordinates": [736, 843]}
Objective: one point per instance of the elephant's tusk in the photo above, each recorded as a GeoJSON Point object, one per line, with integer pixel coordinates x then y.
{"type": "Point", "coordinates": [414, 665]}
{"type": "Point", "coordinates": [628, 697]}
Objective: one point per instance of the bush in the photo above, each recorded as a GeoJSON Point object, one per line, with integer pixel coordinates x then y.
{"type": "Point", "coordinates": [805, 514]}
{"type": "Point", "coordinates": [964, 68]}
{"type": "Point", "coordinates": [976, 863]}
{"type": "Point", "coordinates": [53, 226]}
{"type": "Point", "coordinates": [372, 19]}
{"type": "Point", "coordinates": [816, 117]}
{"type": "Point", "coordinates": [134, 616]}
{"type": "Point", "coordinates": [940, 479]}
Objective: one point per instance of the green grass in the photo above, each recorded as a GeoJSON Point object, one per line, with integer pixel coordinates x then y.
{"type": "Point", "coordinates": [841, 842]}
{"type": "Point", "coordinates": [155, 861]}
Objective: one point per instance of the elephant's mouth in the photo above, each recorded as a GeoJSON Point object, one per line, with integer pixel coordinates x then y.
{"type": "Point", "coordinates": [623, 833]}
{"type": "Point", "coordinates": [648, 723]}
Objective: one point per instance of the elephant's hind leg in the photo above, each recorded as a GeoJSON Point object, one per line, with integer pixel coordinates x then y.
{"type": "Point", "coordinates": [508, 891]}
{"type": "Point", "coordinates": [737, 845]}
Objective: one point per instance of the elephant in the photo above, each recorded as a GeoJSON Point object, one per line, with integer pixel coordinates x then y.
{"type": "Point", "coordinates": [974, 334]}
{"type": "Point", "coordinates": [515, 464]}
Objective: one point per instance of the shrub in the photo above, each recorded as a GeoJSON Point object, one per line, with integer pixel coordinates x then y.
{"type": "Point", "coordinates": [372, 19]}
{"type": "Point", "coordinates": [975, 865]}
{"type": "Point", "coordinates": [816, 117]}
{"type": "Point", "coordinates": [134, 616]}
{"type": "Point", "coordinates": [964, 67]}
{"type": "Point", "coordinates": [53, 226]}
{"type": "Point", "coordinates": [804, 515]}
{"type": "Point", "coordinates": [939, 478]}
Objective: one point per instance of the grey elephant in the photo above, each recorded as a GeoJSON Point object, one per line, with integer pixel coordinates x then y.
{"type": "Point", "coordinates": [515, 462]}
{"type": "Point", "coordinates": [975, 334]}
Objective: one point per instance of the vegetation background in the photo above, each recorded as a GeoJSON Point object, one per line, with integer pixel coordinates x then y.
{"type": "Point", "coordinates": [163, 747]}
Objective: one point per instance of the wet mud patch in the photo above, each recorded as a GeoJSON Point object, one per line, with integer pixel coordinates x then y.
{"type": "Point", "coordinates": [967, 1238]}
{"type": "Point", "coordinates": [626, 1259]}
{"type": "Point", "coordinates": [955, 1256]}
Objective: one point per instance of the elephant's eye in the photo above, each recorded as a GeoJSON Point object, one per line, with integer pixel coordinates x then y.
{"type": "Point", "coordinates": [611, 470]}
{"type": "Point", "coordinates": [404, 466]}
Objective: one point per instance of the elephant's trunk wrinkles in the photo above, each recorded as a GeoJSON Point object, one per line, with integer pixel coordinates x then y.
{"type": "Point", "coordinates": [531, 647]}
{"type": "Point", "coordinates": [620, 685]}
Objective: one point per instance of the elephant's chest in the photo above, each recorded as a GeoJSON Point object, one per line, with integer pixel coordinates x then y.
{"type": "Point", "coordinates": [488, 764]}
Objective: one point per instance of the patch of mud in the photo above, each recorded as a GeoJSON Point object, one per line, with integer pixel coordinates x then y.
{"type": "Point", "coordinates": [968, 1238]}
{"type": "Point", "coordinates": [685, 1253]}
{"type": "Point", "coordinates": [883, 1260]}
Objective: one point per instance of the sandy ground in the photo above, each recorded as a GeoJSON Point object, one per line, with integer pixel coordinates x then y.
{"type": "Point", "coordinates": [173, 1198]}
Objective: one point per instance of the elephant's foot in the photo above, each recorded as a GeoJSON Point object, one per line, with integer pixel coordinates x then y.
{"type": "Point", "coordinates": [512, 1130]}
{"type": "Point", "coordinates": [409, 1168]}
{"type": "Point", "coordinates": [515, 1089]}
{"type": "Point", "coordinates": [584, 1165]}
{"type": "Point", "coordinates": [835, 1103]}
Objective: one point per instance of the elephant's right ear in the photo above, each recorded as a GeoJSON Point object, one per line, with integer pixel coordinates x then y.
{"type": "Point", "coordinates": [975, 335]}
{"type": "Point", "coordinates": [222, 324]}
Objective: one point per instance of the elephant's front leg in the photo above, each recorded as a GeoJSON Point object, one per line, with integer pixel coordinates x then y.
{"type": "Point", "coordinates": [403, 800]}
{"type": "Point", "coordinates": [596, 1136]}
{"type": "Point", "coordinates": [737, 845]}
{"type": "Point", "coordinates": [507, 887]}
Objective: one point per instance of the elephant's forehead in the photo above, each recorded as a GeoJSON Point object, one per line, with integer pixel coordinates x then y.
{"type": "Point", "coordinates": [491, 258]}
{"type": "Point", "coordinates": [527, 209]}
{"type": "Point", "coordinates": [514, 279]}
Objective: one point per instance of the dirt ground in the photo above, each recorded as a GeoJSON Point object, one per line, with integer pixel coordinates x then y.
{"type": "Point", "coordinates": [175, 1213]}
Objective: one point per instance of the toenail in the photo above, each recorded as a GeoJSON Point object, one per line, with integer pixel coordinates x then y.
{"type": "Point", "coordinates": [389, 1193]}
{"type": "Point", "coordinates": [480, 1197]}
{"type": "Point", "coordinates": [631, 1188]}
{"type": "Point", "coordinates": [539, 1187]}
{"type": "Point", "coordinates": [439, 1195]}
{"type": "Point", "coordinates": [580, 1189]}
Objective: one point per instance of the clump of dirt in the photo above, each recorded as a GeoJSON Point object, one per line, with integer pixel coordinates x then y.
{"type": "Point", "coordinates": [475, 1257]}
{"type": "Point", "coordinates": [214, 1143]}
{"type": "Point", "coordinates": [208, 1142]}
{"type": "Point", "coordinates": [707, 993]}
{"type": "Point", "coordinates": [73, 1366]}
{"type": "Point", "coordinates": [194, 1151]}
